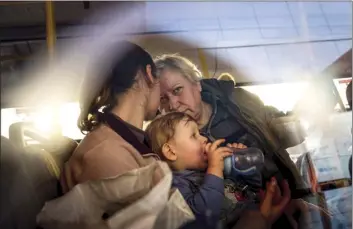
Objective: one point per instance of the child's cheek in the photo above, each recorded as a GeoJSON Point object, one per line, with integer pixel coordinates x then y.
{"type": "Point", "coordinates": [204, 165]}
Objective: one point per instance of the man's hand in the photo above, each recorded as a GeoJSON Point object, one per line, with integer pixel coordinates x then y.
{"type": "Point", "coordinates": [273, 204]}
{"type": "Point", "coordinates": [294, 206]}
{"type": "Point", "coordinates": [289, 210]}
{"type": "Point", "coordinates": [216, 155]}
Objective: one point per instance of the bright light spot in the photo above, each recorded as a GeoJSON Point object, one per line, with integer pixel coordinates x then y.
{"type": "Point", "coordinates": [305, 124]}
{"type": "Point", "coordinates": [8, 116]}
{"type": "Point", "coordinates": [59, 119]}
{"type": "Point", "coordinates": [145, 125]}
{"type": "Point", "coordinates": [282, 96]}
{"type": "Point", "coordinates": [69, 114]}
{"type": "Point", "coordinates": [44, 120]}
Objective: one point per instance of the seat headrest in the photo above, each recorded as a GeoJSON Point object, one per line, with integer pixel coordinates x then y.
{"type": "Point", "coordinates": [18, 130]}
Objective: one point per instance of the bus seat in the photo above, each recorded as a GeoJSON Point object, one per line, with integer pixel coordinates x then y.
{"type": "Point", "coordinates": [60, 149]}
{"type": "Point", "coordinates": [30, 173]}
{"type": "Point", "coordinates": [16, 133]}
{"type": "Point", "coordinates": [54, 150]}
{"type": "Point", "coordinates": [26, 184]}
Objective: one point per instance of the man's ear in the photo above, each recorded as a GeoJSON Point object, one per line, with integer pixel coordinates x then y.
{"type": "Point", "coordinates": [149, 76]}
{"type": "Point", "coordinates": [168, 152]}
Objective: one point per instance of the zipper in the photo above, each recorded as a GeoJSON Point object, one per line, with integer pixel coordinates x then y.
{"type": "Point", "coordinates": [238, 186]}
{"type": "Point", "coordinates": [209, 124]}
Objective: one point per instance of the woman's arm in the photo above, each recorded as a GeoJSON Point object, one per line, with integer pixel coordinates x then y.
{"type": "Point", "coordinates": [286, 129]}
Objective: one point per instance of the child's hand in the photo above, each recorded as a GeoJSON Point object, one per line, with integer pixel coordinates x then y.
{"type": "Point", "coordinates": [216, 155]}
{"type": "Point", "coordinates": [237, 145]}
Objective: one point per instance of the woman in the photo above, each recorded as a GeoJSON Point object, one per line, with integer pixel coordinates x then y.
{"type": "Point", "coordinates": [223, 111]}
{"type": "Point", "coordinates": [131, 93]}
{"type": "Point", "coordinates": [112, 172]}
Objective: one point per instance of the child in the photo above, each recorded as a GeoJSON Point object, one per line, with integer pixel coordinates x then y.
{"type": "Point", "coordinates": [176, 139]}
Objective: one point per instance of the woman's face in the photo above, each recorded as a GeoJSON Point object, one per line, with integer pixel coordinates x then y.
{"type": "Point", "coordinates": [153, 101]}
{"type": "Point", "coordinates": [179, 94]}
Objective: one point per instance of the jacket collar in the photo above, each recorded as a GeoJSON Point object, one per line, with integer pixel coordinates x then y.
{"type": "Point", "coordinates": [218, 88]}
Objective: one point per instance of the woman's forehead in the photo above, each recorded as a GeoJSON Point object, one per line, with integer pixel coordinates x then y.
{"type": "Point", "coordinates": [169, 85]}
{"type": "Point", "coordinates": [169, 79]}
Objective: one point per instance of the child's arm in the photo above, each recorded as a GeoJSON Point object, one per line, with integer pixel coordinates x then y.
{"type": "Point", "coordinates": [205, 200]}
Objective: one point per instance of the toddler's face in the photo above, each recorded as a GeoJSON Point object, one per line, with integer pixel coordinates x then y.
{"type": "Point", "coordinates": [189, 146]}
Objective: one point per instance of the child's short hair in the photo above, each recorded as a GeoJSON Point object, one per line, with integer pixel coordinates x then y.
{"type": "Point", "coordinates": [162, 129]}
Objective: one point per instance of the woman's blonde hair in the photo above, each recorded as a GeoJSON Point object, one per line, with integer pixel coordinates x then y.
{"type": "Point", "coordinates": [175, 62]}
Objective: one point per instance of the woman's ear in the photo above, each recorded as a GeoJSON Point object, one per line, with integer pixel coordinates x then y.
{"type": "Point", "coordinates": [168, 152]}
{"type": "Point", "coordinates": [198, 84]}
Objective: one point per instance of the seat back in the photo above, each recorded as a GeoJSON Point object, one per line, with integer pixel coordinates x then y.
{"type": "Point", "coordinates": [30, 174]}
{"type": "Point", "coordinates": [26, 184]}
{"type": "Point", "coordinates": [55, 150]}
{"type": "Point", "coordinates": [16, 133]}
